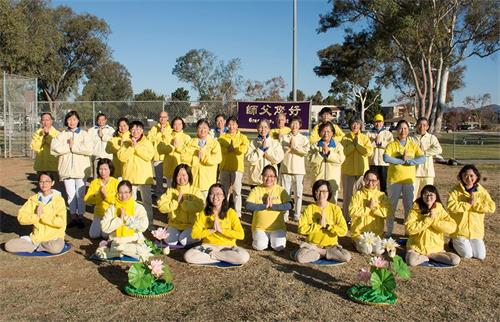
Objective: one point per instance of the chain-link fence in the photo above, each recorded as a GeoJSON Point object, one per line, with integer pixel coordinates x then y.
{"type": "Point", "coordinates": [144, 111]}
{"type": "Point", "coordinates": [17, 115]}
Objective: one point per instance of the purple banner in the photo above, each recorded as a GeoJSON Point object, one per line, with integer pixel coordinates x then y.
{"type": "Point", "coordinates": [250, 113]}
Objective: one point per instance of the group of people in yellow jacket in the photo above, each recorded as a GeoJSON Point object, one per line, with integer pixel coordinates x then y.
{"type": "Point", "coordinates": [197, 206]}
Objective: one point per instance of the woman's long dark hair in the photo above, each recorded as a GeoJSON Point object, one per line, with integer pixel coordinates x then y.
{"type": "Point", "coordinates": [176, 173]}
{"type": "Point", "coordinates": [465, 169]}
{"type": "Point", "coordinates": [121, 119]}
{"type": "Point", "coordinates": [209, 208]}
{"type": "Point", "coordinates": [420, 201]}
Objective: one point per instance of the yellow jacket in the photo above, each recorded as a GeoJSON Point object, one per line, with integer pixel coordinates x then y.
{"type": "Point", "coordinates": [384, 137]}
{"type": "Point", "coordinates": [204, 170]}
{"type": "Point", "coordinates": [172, 156]}
{"type": "Point", "coordinates": [402, 173]}
{"type": "Point", "coordinates": [356, 155]}
{"type": "Point", "coordinates": [137, 169]}
{"type": "Point", "coordinates": [310, 225]}
{"type": "Point", "coordinates": [268, 220]}
{"type": "Point", "coordinates": [181, 216]}
{"type": "Point", "coordinates": [233, 160]}
{"type": "Point", "coordinates": [314, 137]}
{"type": "Point", "coordinates": [429, 144]}
{"type": "Point", "coordinates": [278, 133]}
{"type": "Point", "coordinates": [111, 224]}
{"type": "Point", "coordinates": [73, 163]}
{"type": "Point", "coordinates": [112, 147]}
{"type": "Point", "coordinates": [427, 234]}
{"type": "Point", "coordinates": [328, 168]}
{"type": "Point", "coordinates": [94, 196]}
{"type": "Point", "coordinates": [155, 136]}
{"type": "Point", "coordinates": [469, 218]}
{"type": "Point", "coordinates": [365, 219]}
{"type": "Point", "coordinates": [51, 224]}
{"type": "Point", "coordinates": [230, 225]}
{"type": "Point", "coordinates": [294, 157]}
{"type": "Point", "coordinates": [255, 156]}
{"type": "Point", "coordinates": [40, 144]}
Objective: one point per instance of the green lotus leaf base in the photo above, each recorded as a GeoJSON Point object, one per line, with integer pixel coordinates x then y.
{"type": "Point", "coordinates": [157, 289]}
{"type": "Point", "coordinates": [364, 294]}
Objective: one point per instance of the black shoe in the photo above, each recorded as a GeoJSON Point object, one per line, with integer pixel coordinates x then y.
{"type": "Point", "coordinates": [79, 223]}
{"type": "Point", "coordinates": [72, 223]}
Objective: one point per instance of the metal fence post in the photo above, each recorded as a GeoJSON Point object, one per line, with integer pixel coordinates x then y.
{"type": "Point", "coordinates": [454, 137]}
{"type": "Point", "coordinates": [10, 130]}
{"type": "Point", "coordinates": [4, 114]}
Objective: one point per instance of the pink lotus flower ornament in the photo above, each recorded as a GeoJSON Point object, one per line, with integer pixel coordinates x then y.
{"type": "Point", "coordinates": [379, 262]}
{"type": "Point", "coordinates": [160, 233]}
{"type": "Point", "coordinates": [364, 275]}
{"type": "Point", "coordinates": [156, 267]}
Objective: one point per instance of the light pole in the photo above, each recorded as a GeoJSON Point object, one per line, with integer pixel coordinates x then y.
{"type": "Point", "coordinates": [294, 52]}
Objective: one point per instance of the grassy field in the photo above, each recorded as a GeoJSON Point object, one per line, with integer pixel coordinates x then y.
{"type": "Point", "coordinates": [269, 287]}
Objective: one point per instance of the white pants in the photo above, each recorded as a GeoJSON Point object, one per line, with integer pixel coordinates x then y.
{"type": "Point", "coordinates": [232, 180]}
{"type": "Point", "coordinates": [146, 200]}
{"type": "Point", "coordinates": [469, 248]}
{"type": "Point", "coordinates": [95, 229]}
{"type": "Point", "coordinates": [75, 189]}
{"type": "Point", "coordinates": [419, 183]}
{"type": "Point", "coordinates": [394, 190]}
{"type": "Point", "coordinates": [286, 181]}
{"type": "Point", "coordinates": [158, 171]}
{"type": "Point", "coordinates": [350, 184]}
{"type": "Point", "coordinates": [261, 239]}
{"type": "Point", "coordinates": [182, 237]}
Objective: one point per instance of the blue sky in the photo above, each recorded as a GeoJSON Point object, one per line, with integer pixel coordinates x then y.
{"type": "Point", "coordinates": [148, 36]}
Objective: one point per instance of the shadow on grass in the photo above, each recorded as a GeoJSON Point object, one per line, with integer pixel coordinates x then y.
{"type": "Point", "coordinates": [11, 196]}
{"type": "Point", "coordinates": [114, 274]}
{"type": "Point", "coordinates": [311, 276]}
{"type": "Point", "coordinates": [9, 224]}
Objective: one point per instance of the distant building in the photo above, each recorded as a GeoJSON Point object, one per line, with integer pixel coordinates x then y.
{"type": "Point", "coordinates": [396, 111]}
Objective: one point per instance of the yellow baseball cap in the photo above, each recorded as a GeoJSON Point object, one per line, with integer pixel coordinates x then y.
{"type": "Point", "coordinates": [378, 117]}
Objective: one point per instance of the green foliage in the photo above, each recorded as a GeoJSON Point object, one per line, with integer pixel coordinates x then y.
{"type": "Point", "coordinates": [110, 81]}
{"type": "Point", "coordinates": [139, 276]}
{"type": "Point", "coordinates": [155, 250]}
{"type": "Point", "coordinates": [214, 80]}
{"type": "Point", "coordinates": [300, 96]}
{"type": "Point", "coordinates": [383, 280]}
{"type": "Point", "coordinates": [180, 94]}
{"type": "Point", "coordinates": [148, 95]}
{"type": "Point", "coordinates": [400, 267]}
{"type": "Point", "coordinates": [167, 276]}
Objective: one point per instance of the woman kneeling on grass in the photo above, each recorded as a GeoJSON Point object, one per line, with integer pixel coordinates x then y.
{"type": "Point", "coordinates": [124, 222]}
{"type": "Point", "coordinates": [46, 211]}
{"type": "Point", "coordinates": [181, 202]}
{"type": "Point", "coordinates": [468, 202]}
{"type": "Point", "coordinates": [323, 223]}
{"type": "Point", "coordinates": [427, 224]}
{"type": "Point", "coordinates": [101, 194]}
{"type": "Point", "coordinates": [218, 227]}
{"type": "Point", "coordinates": [269, 202]}
{"type": "Point", "coordinates": [368, 210]}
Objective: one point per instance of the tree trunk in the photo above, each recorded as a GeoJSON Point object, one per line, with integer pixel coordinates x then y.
{"type": "Point", "coordinates": [440, 107]}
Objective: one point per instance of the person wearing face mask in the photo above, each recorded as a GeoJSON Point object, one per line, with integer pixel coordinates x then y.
{"type": "Point", "coordinates": [380, 138]}
{"type": "Point", "coordinates": [293, 168]}
{"type": "Point", "coordinates": [203, 155]}
{"type": "Point", "coordinates": [327, 156]}
{"type": "Point", "coordinates": [159, 133]}
{"type": "Point", "coordinates": [168, 148]}
{"type": "Point", "coordinates": [234, 145]}
{"type": "Point", "coordinates": [124, 222]}
{"type": "Point", "coordinates": [357, 150]}
{"type": "Point", "coordinates": [101, 194]}
{"type": "Point", "coordinates": [427, 224]}
{"type": "Point", "coordinates": [46, 211]}
{"type": "Point", "coordinates": [322, 222]}
{"type": "Point", "coordinates": [429, 144]}
{"type": "Point", "coordinates": [40, 144]}
{"type": "Point", "coordinates": [468, 202]}
{"type": "Point", "coordinates": [73, 148]}
{"type": "Point", "coordinates": [402, 155]}
{"type": "Point", "coordinates": [120, 136]}
{"type": "Point", "coordinates": [325, 116]}
{"type": "Point", "coordinates": [263, 151]}
{"type": "Point", "coordinates": [137, 154]}
{"type": "Point", "coordinates": [218, 226]}
{"type": "Point", "coordinates": [100, 134]}
{"type": "Point", "coordinates": [268, 202]}
{"type": "Point", "coordinates": [368, 209]}
{"type": "Point", "coordinates": [220, 127]}
{"type": "Point", "coordinates": [181, 202]}
{"type": "Point", "coordinates": [281, 129]}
